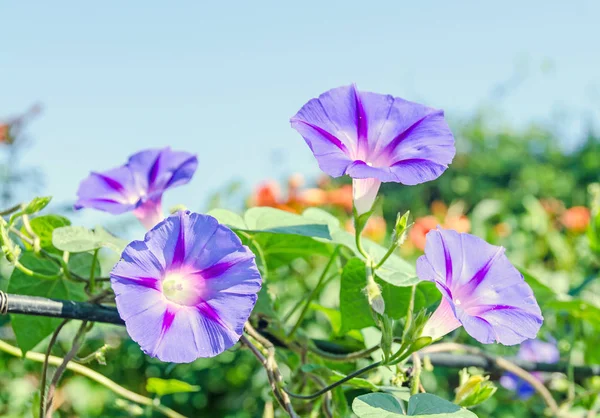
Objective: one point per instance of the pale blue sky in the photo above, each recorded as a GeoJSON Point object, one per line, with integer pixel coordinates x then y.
{"type": "Point", "coordinates": [223, 78]}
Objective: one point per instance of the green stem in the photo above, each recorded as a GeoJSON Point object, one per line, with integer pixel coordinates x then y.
{"type": "Point", "coordinates": [359, 247]}
{"type": "Point", "coordinates": [77, 342]}
{"type": "Point", "coordinates": [409, 313]}
{"type": "Point", "coordinates": [92, 283]}
{"type": "Point", "coordinates": [416, 378]}
{"type": "Point", "coordinates": [10, 210]}
{"type": "Point", "coordinates": [45, 366]}
{"type": "Point", "coordinates": [95, 376]}
{"type": "Point", "coordinates": [336, 384]}
{"type": "Point", "coordinates": [387, 255]}
{"type": "Point", "coordinates": [355, 355]}
{"type": "Point", "coordinates": [314, 292]}
{"type": "Point", "coordinates": [34, 274]}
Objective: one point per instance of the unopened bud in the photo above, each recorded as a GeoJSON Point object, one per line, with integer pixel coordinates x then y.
{"type": "Point", "coordinates": [473, 390]}
{"type": "Point", "coordinates": [373, 291]}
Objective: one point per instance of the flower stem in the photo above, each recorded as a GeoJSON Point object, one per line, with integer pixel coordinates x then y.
{"type": "Point", "coordinates": [77, 342]}
{"type": "Point", "coordinates": [315, 291]}
{"type": "Point", "coordinates": [45, 365]}
{"type": "Point", "coordinates": [416, 377]}
{"type": "Point", "coordinates": [95, 376]}
{"type": "Point", "coordinates": [409, 312]}
{"type": "Point", "coordinates": [270, 365]}
{"type": "Point", "coordinates": [34, 274]}
{"type": "Point", "coordinates": [336, 384]}
{"type": "Point", "coordinates": [92, 282]}
{"type": "Point", "coordinates": [355, 355]}
{"type": "Point", "coordinates": [359, 247]}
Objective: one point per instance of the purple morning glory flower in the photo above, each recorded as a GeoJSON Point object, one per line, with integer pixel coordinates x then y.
{"type": "Point", "coordinates": [481, 289]}
{"type": "Point", "coordinates": [375, 138]}
{"type": "Point", "coordinates": [536, 351]}
{"type": "Point", "coordinates": [186, 291]}
{"type": "Point", "coordinates": [138, 185]}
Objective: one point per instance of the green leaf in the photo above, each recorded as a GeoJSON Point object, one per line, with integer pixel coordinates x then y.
{"type": "Point", "coordinates": [43, 226]}
{"type": "Point", "coordinates": [264, 304]}
{"type": "Point", "coordinates": [164, 387]}
{"type": "Point", "coordinates": [229, 218]}
{"type": "Point", "coordinates": [428, 405]}
{"type": "Point", "coordinates": [423, 405]}
{"type": "Point", "coordinates": [31, 330]}
{"type": "Point", "coordinates": [377, 405]}
{"type": "Point", "coordinates": [81, 264]}
{"type": "Point", "coordinates": [333, 315]}
{"type": "Point", "coordinates": [281, 249]}
{"type": "Point", "coordinates": [579, 309]}
{"type": "Point", "coordinates": [395, 271]}
{"type": "Point", "coordinates": [77, 239]}
{"type": "Point", "coordinates": [340, 403]}
{"type": "Point", "coordinates": [282, 236]}
{"type": "Point", "coordinates": [265, 219]}
{"type": "Point", "coordinates": [354, 306]}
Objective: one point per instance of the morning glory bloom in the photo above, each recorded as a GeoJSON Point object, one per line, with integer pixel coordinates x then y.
{"type": "Point", "coordinates": [481, 289]}
{"type": "Point", "coordinates": [375, 138]}
{"type": "Point", "coordinates": [186, 291]}
{"type": "Point", "coordinates": [531, 350]}
{"type": "Point", "coordinates": [138, 185]}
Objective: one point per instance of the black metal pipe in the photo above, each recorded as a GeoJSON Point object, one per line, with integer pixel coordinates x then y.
{"type": "Point", "coordinates": [54, 308]}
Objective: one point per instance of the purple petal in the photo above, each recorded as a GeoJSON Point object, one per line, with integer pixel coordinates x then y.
{"type": "Point", "coordinates": [233, 311]}
{"type": "Point", "coordinates": [487, 293]}
{"type": "Point", "coordinates": [192, 334]}
{"type": "Point", "coordinates": [222, 243]}
{"type": "Point", "coordinates": [138, 185]}
{"type": "Point", "coordinates": [234, 274]}
{"type": "Point", "coordinates": [158, 169]}
{"type": "Point", "coordinates": [110, 191]}
{"type": "Point", "coordinates": [417, 170]}
{"type": "Point", "coordinates": [330, 152]}
{"type": "Point", "coordinates": [369, 135]}
{"type": "Point", "coordinates": [441, 322]}
{"type": "Point", "coordinates": [138, 261]}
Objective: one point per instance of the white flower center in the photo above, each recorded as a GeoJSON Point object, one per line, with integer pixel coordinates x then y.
{"type": "Point", "coordinates": [183, 289]}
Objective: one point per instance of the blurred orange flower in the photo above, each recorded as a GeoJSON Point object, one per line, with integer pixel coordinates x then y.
{"type": "Point", "coordinates": [375, 229]}
{"type": "Point", "coordinates": [576, 219]}
{"type": "Point", "coordinates": [552, 206]}
{"type": "Point", "coordinates": [502, 229]}
{"type": "Point", "coordinates": [450, 218]}
{"type": "Point", "coordinates": [266, 194]}
{"type": "Point", "coordinates": [3, 132]}
{"type": "Point", "coordinates": [270, 194]}
{"type": "Point", "coordinates": [421, 227]}
{"type": "Point", "coordinates": [341, 197]}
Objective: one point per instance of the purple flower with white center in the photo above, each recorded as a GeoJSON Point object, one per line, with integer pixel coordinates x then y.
{"type": "Point", "coordinates": [186, 291]}
{"type": "Point", "coordinates": [138, 185]}
{"type": "Point", "coordinates": [375, 138]}
{"type": "Point", "coordinates": [481, 290]}
{"type": "Point", "coordinates": [536, 351]}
